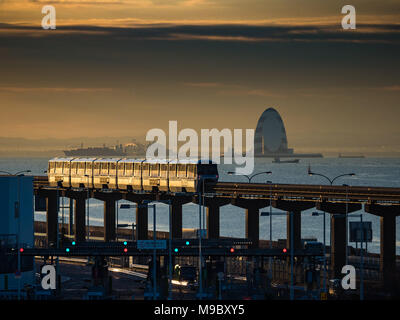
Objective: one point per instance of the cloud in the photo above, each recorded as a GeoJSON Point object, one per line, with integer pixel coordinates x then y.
{"type": "Point", "coordinates": [234, 89]}
{"type": "Point", "coordinates": [394, 88]}
{"type": "Point", "coordinates": [53, 89]}
{"type": "Point", "coordinates": [367, 33]}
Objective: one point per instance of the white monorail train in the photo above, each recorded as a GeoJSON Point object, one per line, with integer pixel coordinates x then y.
{"type": "Point", "coordinates": [130, 174]}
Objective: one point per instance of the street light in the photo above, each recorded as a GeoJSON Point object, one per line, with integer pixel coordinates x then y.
{"type": "Point", "coordinates": [310, 173]}
{"type": "Point", "coordinates": [249, 177]}
{"type": "Point", "coordinates": [331, 181]}
{"type": "Point", "coordinates": [17, 173]}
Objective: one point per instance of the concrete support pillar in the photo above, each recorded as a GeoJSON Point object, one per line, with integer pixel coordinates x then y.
{"type": "Point", "coordinates": [51, 218]}
{"type": "Point", "coordinates": [388, 251]}
{"type": "Point", "coordinates": [296, 229]}
{"type": "Point", "coordinates": [252, 226]}
{"type": "Point", "coordinates": [338, 245]}
{"type": "Point", "coordinates": [79, 219]}
{"type": "Point", "coordinates": [109, 220]}
{"type": "Point", "coordinates": [142, 223]}
{"type": "Point", "coordinates": [176, 220]}
{"type": "Point", "coordinates": [212, 217]}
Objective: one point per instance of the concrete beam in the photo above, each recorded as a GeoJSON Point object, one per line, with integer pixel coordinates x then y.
{"type": "Point", "coordinates": [109, 220]}
{"type": "Point", "coordinates": [107, 196]}
{"type": "Point", "coordinates": [247, 203]}
{"type": "Point", "coordinates": [338, 207]}
{"type": "Point", "coordinates": [382, 210]}
{"type": "Point", "coordinates": [292, 206]}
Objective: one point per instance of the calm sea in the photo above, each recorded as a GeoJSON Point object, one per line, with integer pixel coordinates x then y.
{"type": "Point", "coordinates": [383, 172]}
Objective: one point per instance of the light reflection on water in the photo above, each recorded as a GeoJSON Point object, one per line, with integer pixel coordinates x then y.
{"type": "Point", "coordinates": [383, 172]}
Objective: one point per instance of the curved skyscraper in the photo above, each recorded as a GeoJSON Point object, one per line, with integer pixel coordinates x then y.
{"type": "Point", "coordinates": [270, 137]}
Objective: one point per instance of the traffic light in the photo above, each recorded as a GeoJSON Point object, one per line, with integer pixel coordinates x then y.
{"type": "Point", "coordinates": [73, 243]}
{"type": "Point", "coordinates": [284, 250]}
{"type": "Point", "coordinates": [125, 250]}
{"type": "Point", "coordinates": [187, 242]}
{"type": "Point", "coordinates": [67, 250]}
{"type": "Point", "coordinates": [125, 243]}
{"type": "Point", "coordinates": [232, 250]}
{"type": "Point", "coordinates": [21, 250]}
{"type": "Point", "coordinates": [176, 249]}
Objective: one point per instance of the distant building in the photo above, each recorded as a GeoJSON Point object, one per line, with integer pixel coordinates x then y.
{"type": "Point", "coordinates": [270, 137]}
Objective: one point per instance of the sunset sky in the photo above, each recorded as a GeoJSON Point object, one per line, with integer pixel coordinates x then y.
{"type": "Point", "coordinates": [118, 68]}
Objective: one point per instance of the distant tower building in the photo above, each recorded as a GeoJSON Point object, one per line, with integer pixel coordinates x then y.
{"type": "Point", "coordinates": [270, 137]}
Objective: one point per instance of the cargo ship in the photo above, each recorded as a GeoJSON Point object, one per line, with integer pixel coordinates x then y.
{"type": "Point", "coordinates": [104, 151]}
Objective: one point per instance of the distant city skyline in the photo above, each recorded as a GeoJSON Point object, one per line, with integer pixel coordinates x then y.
{"type": "Point", "coordinates": [120, 68]}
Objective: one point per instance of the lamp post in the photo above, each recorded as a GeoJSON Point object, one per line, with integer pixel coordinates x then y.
{"type": "Point", "coordinates": [249, 177]}
{"type": "Point", "coordinates": [88, 208]}
{"type": "Point", "coordinates": [331, 181]}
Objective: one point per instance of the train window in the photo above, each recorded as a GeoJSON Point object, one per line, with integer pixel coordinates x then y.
{"type": "Point", "coordinates": [191, 170]}
{"type": "Point", "coordinates": [104, 168]}
{"type": "Point", "coordinates": [137, 169]}
{"type": "Point", "coordinates": [164, 170]}
{"type": "Point", "coordinates": [82, 165]}
{"type": "Point", "coordinates": [154, 169]}
{"type": "Point", "coordinates": [172, 170]}
{"type": "Point", "coordinates": [145, 169]}
{"type": "Point", "coordinates": [59, 167]}
{"type": "Point", "coordinates": [96, 167]}
{"type": "Point", "coordinates": [128, 169]}
{"type": "Point", "coordinates": [66, 165]}
{"type": "Point", "coordinates": [74, 166]}
{"type": "Point", "coordinates": [51, 167]}
{"type": "Point", "coordinates": [88, 168]}
{"type": "Point", "coordinates": [113, 166]}
{"type": "Point", "coordinates": [121, 167]}
{"type": "Point", "coordinates": [181, 170]}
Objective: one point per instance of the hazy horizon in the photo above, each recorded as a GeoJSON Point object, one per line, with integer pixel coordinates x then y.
{"type": "Point", "coordinates": [116, 69]}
